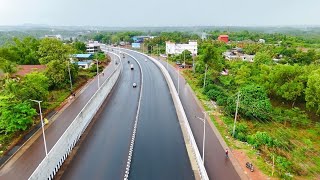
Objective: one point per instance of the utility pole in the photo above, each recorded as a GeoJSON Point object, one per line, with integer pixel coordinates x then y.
{"type": "Point", "coordinates": [235, 116]}
{"type": "Point", "coordinates": [193, 55]}
{"type": "Point", "coordinates": [70, 76]}
{"type": "Point", "coordinates": [158, 52]}
{"type": "Point", "coordinates": [98, 73]}
{"type": "Point", "coordinates": [178, 81]}
{"type": "Point", "coordinates": [205, 76]}
{"type": "Point", "coordinates": [184, 59]}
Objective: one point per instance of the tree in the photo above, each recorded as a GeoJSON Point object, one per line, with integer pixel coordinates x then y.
{"type": "Point", "coordinates": [58, 73]}
{"type": "Point", "coordinates": [287, 81]}
{"type": "Point", "coordinates": [99, 56]}
{"type": "Point", "coordinates": [262, 58]}
{"type": "Point", "coordinates": [26, 50]}
{"type": "Point", "coordinates": [254, 102]}
{"type": "Point", "coordinates": [313, 91]}
{"type": "Point", "coordinates": [211, 56]}
{"type": "Point", "coordinates": [15, 115]}
{"type": "Point", "coordinates": [53, 49]}
{"type": "Point", "coordinates": [34, 86]}
{"type": "Point", "coordinates": [7, 67]}
{"type": "Point", "coordinates": [79, 47]}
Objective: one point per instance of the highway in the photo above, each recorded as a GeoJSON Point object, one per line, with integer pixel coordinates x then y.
{"type": "Point", "coordinates": [159, 151]}
{"type": "Point", "coordinates": [217, 166]}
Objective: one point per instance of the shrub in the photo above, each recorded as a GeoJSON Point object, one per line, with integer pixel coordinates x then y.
{"type": "Point", "coordinates": [294, 116]}
{"type": "Point", "coordinates": [240, 132]}
{"type": "Point", "coordinates": [259, 139]}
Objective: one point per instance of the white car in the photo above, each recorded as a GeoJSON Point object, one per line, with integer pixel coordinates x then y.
{"type": "Point", "coordinates": [134, 85]}
{"type": "Point", "coordinates": [145, 60]}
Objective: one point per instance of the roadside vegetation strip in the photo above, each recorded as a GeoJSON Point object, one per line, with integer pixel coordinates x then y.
{"type": "Point", "coordinates": [127, 171]}
{"type": "Point", "coordinates": [62, 148]}
{"type": "Point", "coordinates": [182, 116]}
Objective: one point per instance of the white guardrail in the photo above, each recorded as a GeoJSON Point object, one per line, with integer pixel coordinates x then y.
{"type": "Point", "coordinates": [60, 151]}
{"type": "Point", "coordinates": [181, 112]}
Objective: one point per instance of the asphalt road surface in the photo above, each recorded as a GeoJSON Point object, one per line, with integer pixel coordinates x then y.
{"type": "Point", "coordinates": [159, 151]}
{"type": "Point", "coordinates": [22, 165]}
{"type": "Point", "coordinates": [217, 166]}
{"type": "Point", "coordinates": [103, 153]}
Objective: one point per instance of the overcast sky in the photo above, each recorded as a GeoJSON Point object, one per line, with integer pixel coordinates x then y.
{"type": "Point", "coordinates": [125, 13]}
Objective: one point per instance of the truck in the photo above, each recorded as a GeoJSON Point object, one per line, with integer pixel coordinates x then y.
{"type": "Point", "coordinates": [131, 66]}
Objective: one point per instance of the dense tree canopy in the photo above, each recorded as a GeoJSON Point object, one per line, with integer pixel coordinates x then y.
{"type": "Point", "coordinates": [53, 50]}
{"type": "Point", "coordinates": [313, 91]}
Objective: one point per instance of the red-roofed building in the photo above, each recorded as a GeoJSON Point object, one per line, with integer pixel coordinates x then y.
{"type": "Point", "coordinates": [224, 38]}
{"type": "Point", "coordinates": [26, 69]}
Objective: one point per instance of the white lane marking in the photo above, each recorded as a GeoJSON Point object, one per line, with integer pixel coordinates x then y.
{"type": "Point", "coordinates": [133, 137]}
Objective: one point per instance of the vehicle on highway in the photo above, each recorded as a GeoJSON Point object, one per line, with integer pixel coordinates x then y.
{"type": "Point", "coordinates": [131, 66]}
{"type": "Point", "coordinates": [128, 62]}
{"type": "Point", "coordinates": [145, 60]}
{"type": "Point", "coordinates": [134, 85]}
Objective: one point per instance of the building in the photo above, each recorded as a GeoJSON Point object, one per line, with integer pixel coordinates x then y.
{"type": "Point", "coordinates": [262, 41]}
{"type": "Point", "coordinates": [140, 39]}
{"type": "Point", "coordinates": [93, 47]}
{"type": "Point", "coordinates": [82, 60]}
{"type": "Point", "coordinates": [224, 38]}
{"type": "Point", "coordinates": [173, 48]}
{"type": "Point", "coordinates": [84, 64]}
{"type": "Point", "coordinates": [82, 57]}
{"type": "Point", "coordinates": [58, 36]}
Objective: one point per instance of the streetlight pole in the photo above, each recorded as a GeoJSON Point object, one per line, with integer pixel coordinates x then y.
{"type": "Point", "coordinates": [235, 116]}
{"type": "Point", "coordinates": [158, 51]}
{"type": "Point", "coordinates": [204, 133]}
{"type": "Point", "coordinates": [205, 76]}
{"type": "Point", "coordinates": [70, 76]}
{"type": "Point", "coordinates": [184, 59]}
{"type": "Point", "coordinates": [42, 125]}
{"type": "Point", "coordinates": [98, 73]}
{"type": "Point", "coordinates": [178, 81]}
{"type": "Point", "coordinates": [193, 68]}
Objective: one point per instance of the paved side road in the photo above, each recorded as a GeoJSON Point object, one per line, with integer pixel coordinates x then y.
{"type": "Point", "coordinates": [217, 166]}
{"type": "Point", "coordinates": [25, 161]}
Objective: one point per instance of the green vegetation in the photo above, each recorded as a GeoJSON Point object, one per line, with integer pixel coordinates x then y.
{"type": "Point", "coordinates": [51, 86]}
{"type": "Point", "coordinates": [279, 104]}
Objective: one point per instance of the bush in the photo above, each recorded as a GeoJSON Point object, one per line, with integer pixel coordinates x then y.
{"type": "Point", "coordinates": [283, 165]}
{"type": "Point", "coordinates": [259, 139]}
{"type": "Point", "coordinates": [254, 103]}
{"type": "Point", "coordinates": [240, 132]}
{"type": "Point", "coordinates": [294, 116]}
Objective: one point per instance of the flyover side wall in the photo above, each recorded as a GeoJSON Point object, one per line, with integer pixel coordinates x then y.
{"type": "Point", "coordinates": [60, 151]}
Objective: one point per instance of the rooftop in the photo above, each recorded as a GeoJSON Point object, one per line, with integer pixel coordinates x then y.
{"type": "Point", "coordinates": [82, 55]}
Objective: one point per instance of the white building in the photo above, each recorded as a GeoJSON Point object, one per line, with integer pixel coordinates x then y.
{"type": "Point", "coordinates": [173, 48]}
{"type": "Point", "coordinates": [58, 36]}
{"type": "Point", "coordinates": [93, 47]}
